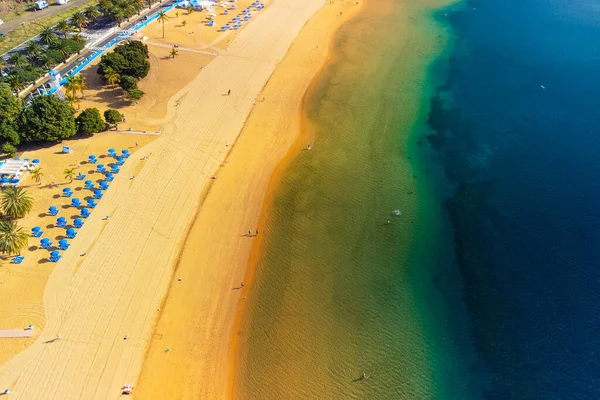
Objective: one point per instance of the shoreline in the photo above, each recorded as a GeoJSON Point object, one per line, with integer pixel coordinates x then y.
{"type": "Point", "coordinates": [124, 277]}
{"type": "Point", "coordinates": [276, 177]}
{"type": "Point", "coordinates": [205, 336]}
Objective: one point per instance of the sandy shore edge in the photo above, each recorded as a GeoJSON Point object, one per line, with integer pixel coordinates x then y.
{"type": "Point", "coordinates": [199, 321]}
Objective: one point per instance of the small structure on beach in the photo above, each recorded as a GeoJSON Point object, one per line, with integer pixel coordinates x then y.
{"type": "Point", "coordinates": [14, 166]}
{"type": "Point", "coordinates": [198, 5]}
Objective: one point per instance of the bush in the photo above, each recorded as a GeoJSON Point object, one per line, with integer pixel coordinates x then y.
{"type": "Point", "coordinates": [90, 121]}
{"type": "Point", "coordinates": [134, 94]}
{"type": "Point", "coordinates": [112, 116]}
{"type": "Point", "coordinates": [129, 59]}
{"type": "Point", "coordinates": [128, 82]}
{"type": "Point", "coordinates": [9, 149]}
{"type": "Point", "coordinates": [47, 119]}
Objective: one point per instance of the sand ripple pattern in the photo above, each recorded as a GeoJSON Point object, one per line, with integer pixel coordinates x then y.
{"type": "Point", "coordinates": [117, 288]}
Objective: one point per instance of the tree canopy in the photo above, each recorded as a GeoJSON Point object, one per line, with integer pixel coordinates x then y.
{"type": "Point", "coordinates": [47, 119]}
{"type": "Point", "coordinates": [10, 109]}
{"type": "Point", "coordinates": [90, 121]}
{"type": "Point", "coordinates": [112, 116]}
{"type": "Point", "coordinates": [129, 59]}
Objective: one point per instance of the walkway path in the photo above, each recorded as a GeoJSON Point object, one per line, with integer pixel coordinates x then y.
{"type": "Point", "coordinates": [115, 291]}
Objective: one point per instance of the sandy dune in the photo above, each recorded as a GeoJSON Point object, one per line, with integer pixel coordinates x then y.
{"type": "Point", "coordinates": [117, 289]}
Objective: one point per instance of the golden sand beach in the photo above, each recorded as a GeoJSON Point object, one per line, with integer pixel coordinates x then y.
{"type": "Point", "coordinates": [115, 291]}
{"type": "Point", "coordinates": [197, 321]}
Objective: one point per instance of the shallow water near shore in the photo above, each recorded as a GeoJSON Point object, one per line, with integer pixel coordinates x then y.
{"type": "Point", "coordinates": [343, 287]}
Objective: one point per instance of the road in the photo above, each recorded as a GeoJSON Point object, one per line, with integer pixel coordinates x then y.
{"type": "Point", "coordinates": [27, 16]}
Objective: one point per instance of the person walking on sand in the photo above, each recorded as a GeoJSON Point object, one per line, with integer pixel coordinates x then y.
{"type": "Point", "coordinates": [249, 233]}
{"type": "Point", "coordinates": [228, 92]}
{"type": "Point", "coordinates": [257, 232]}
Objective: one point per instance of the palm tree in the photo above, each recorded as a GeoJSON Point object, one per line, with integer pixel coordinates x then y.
{"type": "Point", "coordinates": [92, 13]}
{"type": "Point", "coordinates": [81, 84]}
{"type": "Point", "coordinates": [37, 175]}
{"type": "Point", "coordinates": [162, 17]}
{"type": "Point", "coordinates": [64, 27]}
{"type": "Point", "coordinates": [18, 60]}
{"type": "Point", "coordinates": [48, 36]}
{"type": "Point", "coordinates": [184, 22]}
{"type": "Point", "coordinates": [138, 5]}
{"type": "Point", "coordinates": [173, 53]}
{"type": "Point", "coordinates": [190, 9]}
{"type": "Point", "coordinates": [16, 202]}
{"type": "Point", "coordinates": [176, 14]}
{"type": "Point", "coordinates": [69, 173]}
{"type": "Point", "coordinates": [71, 99]}
{"type": "Point", "coordinates": [79, 19]}
{"type": "Point", "coordinates": [44, 60]}
{"type": "Point", "coordinates": [72, 85]}
{"type": "Point", "coordinates": [78, 38]}
{"type": "Point", "coordinates": [64, 49]}
{"type": "Point", "coordinates": [111, 76]}
{"type": "Point", "coordinates": [33, 49]}
{"type": "Point", "coordinates": [14, 82]}
{"type": "Point", "coordinates": [13, 238]}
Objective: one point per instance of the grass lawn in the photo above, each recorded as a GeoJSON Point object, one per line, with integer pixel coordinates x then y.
{"type": "Point", "coordinates": [17, 9]}
{"type": "Point", "coordinates": [31, 29]}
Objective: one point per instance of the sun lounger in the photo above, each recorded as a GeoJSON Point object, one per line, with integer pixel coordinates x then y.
{"type": "Point", "coordinates": [75, 202]}
{"type": "Point", "coordinates": [97, 194]}
{"type": "Point", "coordinates": [63, 244]}
{"type": "Point", "coordinates": [71, 233]}
{"type": "Point", "coordinates": [52, 210]}
{"type": "Point", "coordinates": [36, 231]}
{"type": "Point", "coordinates": [55, 256]}
{"type": "Point", "coordinates": [17, 259]}
{"type": "Point", "coordinates": [80, 177]}
{"type": "Point", "coordinates": [61, 222]}
{"type": "Point", "coordinates": [85, 213]}
{"type": "Point", "coordinates": [78, 223]}
{"type": "Point", "coordinates": [109, 177]}
{"type": "Point", "coordinates": [45, 243]}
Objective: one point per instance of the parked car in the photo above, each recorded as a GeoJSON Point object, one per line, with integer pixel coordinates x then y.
{"type": "Point", "coordinates": [41, 4]}
{"type": "Point", "coordinates": [61, 2]}
{"type": "Point", "coordinates": [1, 22]}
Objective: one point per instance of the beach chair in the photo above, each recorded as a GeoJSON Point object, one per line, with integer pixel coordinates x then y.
{"type": "Point", "coordinates": [66, 149]}
{"type": "Point", "coordinates": [61, 222]}
{"type": "Point", "coordinates": [109, 177]}
{"type": "Point", "coordinates": [85, 213]}
{"type": "Point", "coordinates": [115, 169]}
{"type": "Point", "coordinates": [103, 185]}
{"type": "Point", "coordinates": [55, 256]}
{"type": "Point", "coordinates": [63, 244]}
{"type": "Point", "coordinates": [5, 181]}
{"type": "Point", "coordinates": [92, 159]}
{"type": "Point", "coordinates": [97, 194]}
{"type": "Point", "coordinates": [78, 223]}
{"type": "Point", "coordinates": [53, 211]}
{"type": "Point", "coordinates": [45, 243]}
{"type": "Point", "coordinates": [91, 203]}
{"type": "Point", "coordinates": [67, 192]}
{"type": "Point", "coordinates": [89, 184]}
{"type": "Point", "coordinates": [14, 181]}
{"type": "Point", "coordinates": [125, 153]}
{"type": "Point", "coordinates": [101, 168]}
{"type": "Point", "coordinates": [17, 259]}
{"type": "Point", "coordinates": [80, 177]}
{"type": "Point", "coordinates": [226, 12]}
{"type": "Point", "coordinates": [36, 231]}
{"type": "Point", "coordinates": [35, 162]}
{"type": "Point", "coordinates": [75, 202]}
{"type": "Point", "coordinates": [120, 160]}
{"type": "Point", "coordinates": [112, 152]}
{"type": "Point", "coordinates": [71, 233]}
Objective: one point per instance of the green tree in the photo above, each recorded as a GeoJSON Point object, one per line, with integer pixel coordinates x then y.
{"type": "Point", "coordinates": [72, 86]}
{"type": "Point", "coordinates": [63, 47]}
{"type": "Point", "coordinates": [48, 36]}
{"type": "Point", "coordinates": [47, 119]}
{"type": "Point", "coordinates": [9, 149]}
{"type": "Point", "coordinates": [128, 82]}
{"type": "Point", "coordinates": [112, 116]}
{"type": "Point", "coordinates": [10, 109]}
{"type": "Point", "coordinates": [15, 82]}
{"type": "Point", "coordinates": [134, 94]}
{"type": "Point", "coordinates": [71, 99]}
{"type": "Point", "coordinates": [63, 27]}
{"type": "Point", "coordinates": [112, 77]}
{"type": "Point", "coordinates": [37, 175]}
{"type": "Point", "coordinates": [33, 49]}
{"type": "Point", "coordinates": [92, 13]}
{"type": "Point", "coordinates": [79, 19]}
{"type": "Point", "coordinates": [90, 121]}
{"type": "Point", "coordinates": [162, 17]}
{"type": "Point", "coordinates": [116, 62]}
{"type": "Point", "coordinates": [69, 174]}
{"type": "Point", "coordinates": [184, 22]}
{"type": "Point", "coordinates": [174, 53]}
{"type": "Point", "coordinates": [16, 202]}
{"type": "Point", "coordinates": [18, 60]}
{"type": "Point", "coordinates": [13, 238]}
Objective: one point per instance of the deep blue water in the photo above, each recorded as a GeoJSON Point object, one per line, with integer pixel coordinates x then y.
{"type": "Point", "coordinates": [521, 168]}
